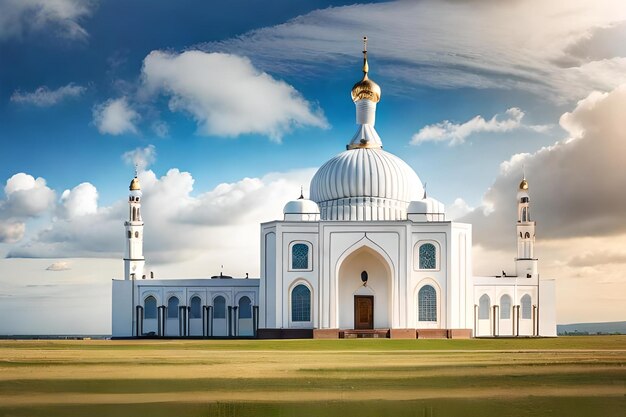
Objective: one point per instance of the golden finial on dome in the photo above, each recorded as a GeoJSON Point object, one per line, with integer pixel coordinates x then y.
{"type": "Point", "coordinates": [523, 186]}
{"type": "Point", "coordinates": [134, 184]}
{"type": "Point", "coordinates": [366, 88]}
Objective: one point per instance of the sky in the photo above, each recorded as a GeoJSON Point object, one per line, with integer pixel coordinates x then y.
{"type": "Point", "coordinates": [227, 108]}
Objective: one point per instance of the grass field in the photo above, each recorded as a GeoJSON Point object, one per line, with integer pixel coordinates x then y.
{"type": "Point", "coordinates": [567, 376]}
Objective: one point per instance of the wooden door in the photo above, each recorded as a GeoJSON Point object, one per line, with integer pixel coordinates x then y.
{"type": "Point", "coordinates": [363, 311]}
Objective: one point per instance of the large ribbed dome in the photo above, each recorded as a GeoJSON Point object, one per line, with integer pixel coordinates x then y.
{"type": "Point", "coordinates": [365, 184]}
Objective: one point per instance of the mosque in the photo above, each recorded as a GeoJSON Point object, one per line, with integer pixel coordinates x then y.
{"type": "Point", "coordinates": [368, 255]}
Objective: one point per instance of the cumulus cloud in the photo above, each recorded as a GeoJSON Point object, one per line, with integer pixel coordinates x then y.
{"type": "Point", "coordinates": [25, 197]}
{"type": "Point", "coordinates": [457, 209]}
{"type": "Point", "coordinates": [575, 184]}
{"type": "Point", "coordinates": [60, 17]}
{"type": "Point", "coordinates": [220, 224]}
{"type": "Point", "coordinates": [44, 97]}
{"type": "Point", "coordinates": [227, 95]}
{"type": "Point", "coordinates": [115, 117]}
{"type": "Point", "coordinates": [141, 158]}
{"type": "Point", "coordinates": [412, 45]}
{"type": "Point", "coordinates": [59, 266]}
{"type": "Point", "coordinates": [455, 133]}
{"type": "Point", "coordinates": [11, 232]}
{"type": "Point", "coordinates": [79, 201]}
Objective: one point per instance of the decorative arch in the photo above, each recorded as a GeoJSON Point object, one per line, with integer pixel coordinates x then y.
{"type": "Point", "coordinates": [427, 255]}
{"type": "Point", "coordinates": [301, 303]}
{"type": "Point", "coordinates": [526, 303]}
{"type": "Point", "coordinates": [342, 311]}
{"type": "Point", "coordinates": [219, 307]}
{"type": "Point", "coordinates": [172, 307]}
{"type": "Point", "coordinates": [505, 307]}
{"type": "Point", "coordinates": [245, 307]}
{"type": "Point", "coordinates": [484, 307]}
{"type": "Point", "coordinates": [195, 307]}
{"type": "Point", "coordinates": [300, 255]}
{"type": "Point", "coordinates": [150, 307]}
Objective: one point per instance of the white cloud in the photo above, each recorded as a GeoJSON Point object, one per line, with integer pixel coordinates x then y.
{"type": "Point", "coordinates": [141, 158]}
{"type": "Point", "coordinates": [61, 17]}
{"type": "Point", "coordinates": [115, 117]}
{"type": "Point", "coordinates": [457, 209]}
{"type": "Point", "coordinates": [26, 197]}
{"type": "Point", "coordinates": [456, 133]}
{"type": "Point", "coordinates": [227, 95]}
{"type": "Point", "coordinates": [44, 97]}
{"type": "Point", "coordinates": [59, 266]}
{"type": "Point", "coordinates": [160, 128]}
{"type": "Point", "coordinates": [575, 185]}
{"type": "Point", "coordinates": [79, 201]}
{"type": "Point", "coordinates": [215, 227]}
{"type": "Point", "coordinates": [11, 232]}
{"type": "Point", "coordinates": [444, 44]}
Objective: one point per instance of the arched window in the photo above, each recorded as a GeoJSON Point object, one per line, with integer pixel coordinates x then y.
{"type": "Point", "coordinates": [300, 256]}
{"type": "Point", "coordinates": [149, 308]}
{"type": "Point", "coordinates": [526, 307]}
{"type": "Point", "coordinates": [427, 303]}
{"type": "Point", "coordinates": [196, 308]}
{"type": "Point", "coordinates": [484, 305]}
{"type": "Point", "coordinates": [427, 256]}
{"type": "Point", "coordinates": [219, 307]}
{"type": "Point", "coordinates": [527, 235]}
{"type": "Point", "coordinates": [505, 307]}
{"type": "Point", "coordinates": [524, 214]}
{"type": "Point", "coordinates": [172, 308]}
{"type": "Point", "coordinates": [136, 234]}
{"type": "Point", "coordinates": [130, 234]}
{"type": "Point", "coordinates": [301, 303]}
{"type": "Point", "coordinates": [134, 214]}
{"type": "Point", "coordinates": [245, 308]}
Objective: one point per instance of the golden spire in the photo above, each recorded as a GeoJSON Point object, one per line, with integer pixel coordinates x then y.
{"type": "Point", "coordinates": [366, 88]}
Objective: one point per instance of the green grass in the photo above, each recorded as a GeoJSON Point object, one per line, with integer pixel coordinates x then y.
{"type": "Point", "coordinates": [568, 376]}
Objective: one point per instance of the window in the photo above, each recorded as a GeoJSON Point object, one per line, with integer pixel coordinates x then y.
{"type": "Point", "coordinates": [526, 308]}
{"type": "Point", "coordinates": [527, 235]}
{"type": "Point", "coordinates": [427, 256]}
{"type": "Point", "coordinates": [300, 256]}
{"type": "Point", "coordinates": [301, 303]}
{"type": "Point", "coordinates": [130, 234]}
{"type": "Point", "coordinates": [196, 308]}
{"type": "Point", "coordinates": [484, 305]}
{"type": "Point", "coordinates": [245, 308]}
{"type": "Point", "coordinates": [136, 234]}
{"type": "Point", "coordinates": [172, 308]}
{"type": "Point", "coordinates": [505, 307]}
{"type": "Point", "coordinates": [427, 303]}
{"type": "Point", "coordinates": [219, 307]}
{"type": "Point", "coordinates": [150, 308]}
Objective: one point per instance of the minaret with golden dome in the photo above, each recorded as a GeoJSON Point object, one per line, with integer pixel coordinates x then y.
{"type": "Point", "coordinates": [365, 95]}
{"type": "Point", "coordinates": [525, 231]}
{"type": "Point", "coordinates": [134, 261]}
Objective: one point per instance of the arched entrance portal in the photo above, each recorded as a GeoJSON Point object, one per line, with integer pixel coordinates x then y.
{"type": "Point", "coordinates": [364, 305]}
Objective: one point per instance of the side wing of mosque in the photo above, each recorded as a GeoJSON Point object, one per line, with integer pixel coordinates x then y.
{"type": "Point", "coordinates": [368, 255]}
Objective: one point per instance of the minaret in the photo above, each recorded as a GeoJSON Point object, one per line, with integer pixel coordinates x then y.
{"type": "Point", "coordinates": [526, 264]}
{"type": "Point", "coordinates": [133, 256]}
{"type": "Point", "coordinates": [365, 94]}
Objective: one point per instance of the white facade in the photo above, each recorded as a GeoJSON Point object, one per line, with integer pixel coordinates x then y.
{"type": "Point", "coordinates": [368, 252]}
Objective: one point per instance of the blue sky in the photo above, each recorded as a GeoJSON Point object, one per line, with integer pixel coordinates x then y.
{"type": "Point", "coordinates": [230, 101]}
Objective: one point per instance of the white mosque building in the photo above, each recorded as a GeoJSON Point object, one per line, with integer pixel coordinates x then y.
{"type": "Point", "coordinates": [369, 255]}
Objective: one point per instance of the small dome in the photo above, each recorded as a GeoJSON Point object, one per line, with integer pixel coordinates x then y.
{"type": "Point", "coordinates": [301, 206]}
{"type": "Point", "coordinates": [366, 89]}
{"type": "Point", "coordinates": [523, 186]}
{"type": "Point", "coordinates": [134, 185]}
